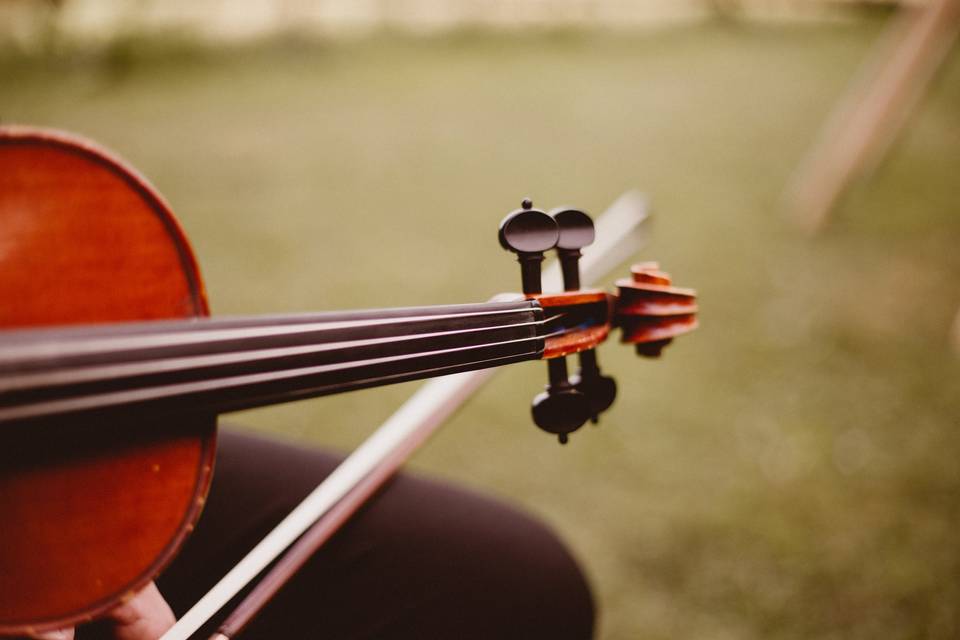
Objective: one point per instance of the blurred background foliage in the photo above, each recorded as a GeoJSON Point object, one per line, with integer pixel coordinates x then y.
{"type": "Point", "coordinates": [791, 470]}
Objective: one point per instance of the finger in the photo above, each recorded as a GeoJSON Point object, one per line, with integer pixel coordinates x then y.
{"type": "Point", "coordinates": [146, 616]}
{"type": "Point", "coordinates": [59, 634]}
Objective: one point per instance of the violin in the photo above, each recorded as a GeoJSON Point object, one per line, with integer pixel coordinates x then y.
{"type": "Point", "coordinates": [112, 375]}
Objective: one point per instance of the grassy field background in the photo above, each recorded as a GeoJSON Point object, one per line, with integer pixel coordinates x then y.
{"type": "Point", "coordinates": [791, 470]}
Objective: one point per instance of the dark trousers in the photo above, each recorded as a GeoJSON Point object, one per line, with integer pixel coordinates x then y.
{"type": "Point", "coordinates": [422, 560]}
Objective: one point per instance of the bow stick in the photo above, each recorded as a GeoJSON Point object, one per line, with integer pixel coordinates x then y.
{"type": "Point", "coordinates": [620, 232]}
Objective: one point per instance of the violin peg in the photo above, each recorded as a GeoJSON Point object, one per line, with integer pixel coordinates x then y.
{"type": "Point", "coordinates": [599, 389]}
{"type": "Point", "coordinates": [576, 228]}
{"type": "Point", "coordinates": [528, 232]}
{"type": "Point", "coordinates": [560, 409]}
{"type": "Point", "coordinates": [576, 232]}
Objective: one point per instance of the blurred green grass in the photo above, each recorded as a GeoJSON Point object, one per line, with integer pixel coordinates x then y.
{"type": "Point", "coordinates": [789, 471]}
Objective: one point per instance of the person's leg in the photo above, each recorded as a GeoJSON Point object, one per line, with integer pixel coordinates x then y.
{"type": "Point", "coordinates": [422, 560]}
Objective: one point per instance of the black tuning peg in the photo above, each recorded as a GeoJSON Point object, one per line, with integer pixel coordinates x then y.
{"type": "Point", "coordinates": [577, 232]}
{"type": "Point", "coordinates": [528, 232]}
{"type": "Point", "coordinates": [599, 389]}
{"type": "Point", "coordinates": [561, 409]}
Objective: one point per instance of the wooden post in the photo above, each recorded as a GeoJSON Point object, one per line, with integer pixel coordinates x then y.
{"type": "Point", "coordinates": [866, 122]}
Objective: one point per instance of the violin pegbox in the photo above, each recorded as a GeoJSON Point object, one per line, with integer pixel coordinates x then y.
{"type": "Point", "coordinates": [567, 402]}
{"type": "Point", "coordinates": [651, 311]}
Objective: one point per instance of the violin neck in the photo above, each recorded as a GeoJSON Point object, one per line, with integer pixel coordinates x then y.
{"type": "Point", "coordinates": [217, 365]}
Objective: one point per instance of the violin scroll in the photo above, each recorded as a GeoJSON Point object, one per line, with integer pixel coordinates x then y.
{"type": "Point", "coordinates": [651, 311]}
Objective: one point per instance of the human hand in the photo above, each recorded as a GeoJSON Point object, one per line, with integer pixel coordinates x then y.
{"type": "Point", "coordinates": [146, 616]}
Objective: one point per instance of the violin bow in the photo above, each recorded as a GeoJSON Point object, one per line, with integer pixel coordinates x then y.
{"type": "Point", "coordinates": [620, 233]}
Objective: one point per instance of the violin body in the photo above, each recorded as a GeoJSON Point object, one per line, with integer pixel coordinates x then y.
{"type": "Point", "coordinates": [89, 517]}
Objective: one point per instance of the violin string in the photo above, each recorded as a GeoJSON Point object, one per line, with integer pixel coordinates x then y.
{"type": "Point", "coordinates": [114, 372]}
{"type": "Point", "coordinates": [79, 374]}
{"type": "Point", "coordinates": [72, 390]}
{"type": "Point", "coordinates": [240, 391]}
{"type": "Point", "coordinates": [21, 350]}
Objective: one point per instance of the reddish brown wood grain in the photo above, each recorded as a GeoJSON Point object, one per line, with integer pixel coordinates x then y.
{"type": "Point", "coordinates": [570, 298]}
{"type": "Point", "coordinates": [575, 342]}
{"type": "Point", "coordinates": [651, 311]}
{"type": "Point", "coordinates": [88, 516]}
